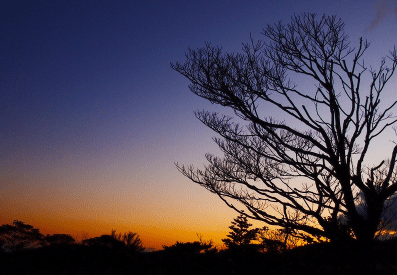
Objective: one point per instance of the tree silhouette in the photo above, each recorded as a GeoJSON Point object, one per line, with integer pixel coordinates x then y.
{"type": "Point", "coordinates": [18, 236]}
{"type": "Point", "coordinates": [59, 239]}
{"type": "Point", "coordinates": [240, 233]}
{"type": "Point", "coordinates": [192, 247]}
{"type": "Point", "coordinates": [104, 241]}
{"type": "Point", "coordinates": [187, 248]}
{"type": "Point", "coordinates": [131, 240]}
{"type": "Point", "coordinates": [307, 166]}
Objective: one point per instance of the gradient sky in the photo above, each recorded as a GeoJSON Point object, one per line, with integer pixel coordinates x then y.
{"type": "Point", "coordinates": [92, 117]}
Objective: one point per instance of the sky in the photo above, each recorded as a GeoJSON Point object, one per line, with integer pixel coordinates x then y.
{"type": "Point", "coordinates": [93, 118]}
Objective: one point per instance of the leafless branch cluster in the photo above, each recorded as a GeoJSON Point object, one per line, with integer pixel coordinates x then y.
{"type": "Point", "coordinates": [306, 172]}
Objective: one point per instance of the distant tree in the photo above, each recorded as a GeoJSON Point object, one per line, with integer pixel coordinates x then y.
{"type": "Point", "coordinates": [57, 239]}
{"type": "Point", "coordinates": [104, 241]}
{"type": "Point", "coordinates": [240, 233]}
{"type": "Point", "coordinates": [19, 235]}
{"type": "Point", "coordinates": [187, 248]}
{"type": "Point", "coordinates": [297, 157]}
{"type": "Point", "coordinates": [192, 247]}
{"type": "Point", "coordinates": [131, 240]}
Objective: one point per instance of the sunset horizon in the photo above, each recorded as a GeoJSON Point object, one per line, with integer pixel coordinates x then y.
{"type": "Point", "coordinates": [94, 122]}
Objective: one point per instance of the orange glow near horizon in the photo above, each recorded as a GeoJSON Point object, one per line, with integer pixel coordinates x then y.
{"type": "Point", "coordinates": [158, 224]}
{"type": "Point", "coordinates": [152, 237]}
{"type": "Point", "coordinates": [85, 205]}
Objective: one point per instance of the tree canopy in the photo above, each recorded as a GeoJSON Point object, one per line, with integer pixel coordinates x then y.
{"type": "Point", "coordinates": [59, 239]}
{"type": "Point", "coordinates": [18, 236]}
{"type": "Point", "coordinates": [240, 233]}
{"type": "Point", "coordinates": [303, 167]}
{"type": "Point", "coordinates": [131, 240]}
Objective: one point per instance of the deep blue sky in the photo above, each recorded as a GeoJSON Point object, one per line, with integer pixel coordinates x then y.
{"type": "Point", "coordinates": [92, 117]}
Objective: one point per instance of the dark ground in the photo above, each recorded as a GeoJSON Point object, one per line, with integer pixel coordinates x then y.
{"type": "Point", "coordinates": [314, 259]}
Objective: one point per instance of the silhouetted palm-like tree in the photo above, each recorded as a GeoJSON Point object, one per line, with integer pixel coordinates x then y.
{"type": "Point", "coordinates": [131, 240]}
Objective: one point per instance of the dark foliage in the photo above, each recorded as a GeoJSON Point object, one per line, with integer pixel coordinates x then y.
{"type": "Point", "coordinates": [325, 258]}
{"type": "Point", "coordinates": [59, 239]}
{"type": "Point", "coordinates": [131, 240]}
{"type": "Point", "coordinates": [18, 236]}
{"type": "Point", "coordinates": [240, 233]}
{"type": "Point", "coordinates": [105, 241]}
{"type": "Point", "coordinates": [186, 248]}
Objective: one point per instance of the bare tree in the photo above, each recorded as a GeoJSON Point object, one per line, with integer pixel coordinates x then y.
{"type": "Point", "coordinates": [308, 165]}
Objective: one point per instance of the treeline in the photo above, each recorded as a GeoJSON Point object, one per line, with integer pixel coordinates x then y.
{"type": "Point", "coordinates": [20, 236]}
{"type": "Point", "coordinates": [24, 250]}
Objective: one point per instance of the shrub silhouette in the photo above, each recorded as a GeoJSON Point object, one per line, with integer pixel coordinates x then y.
{"type": "Point", "coordinates": [131, 240]}
{"type": "Point", "coordinates": [59, 239]}
{"type": "Point", "coordinates": [188, 247]}
{"type": "Point", "coordinates": [192, 247]}
{"type": "Point", "coordinates": [104, 241]}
